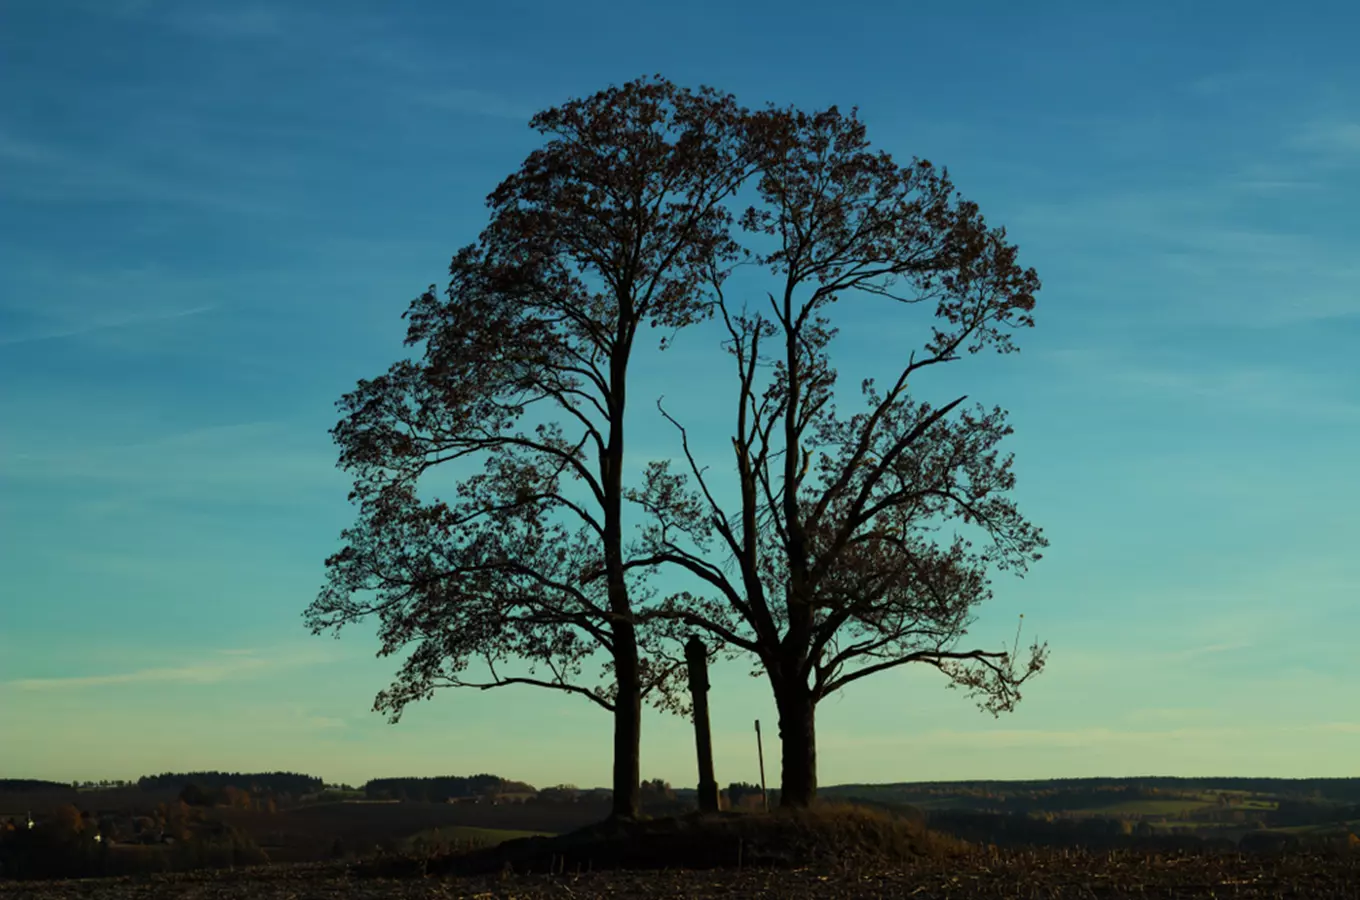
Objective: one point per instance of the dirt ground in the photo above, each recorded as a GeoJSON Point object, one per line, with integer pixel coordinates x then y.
{"type": "Point", "coordinates": [1017, 877]}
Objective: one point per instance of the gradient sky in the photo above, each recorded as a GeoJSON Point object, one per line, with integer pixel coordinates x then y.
{"type": "Point", "coordinates": [213, 214]}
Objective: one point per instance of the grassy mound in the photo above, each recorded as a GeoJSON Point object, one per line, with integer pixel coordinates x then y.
{"type": "Point", "coordinates": [829, 835]}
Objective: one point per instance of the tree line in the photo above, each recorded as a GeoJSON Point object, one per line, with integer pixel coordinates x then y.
{"type": "Point", "coordinates": [1338, 787]}
{"type": "Point", "coordinates": [270, 782]}
{"type": "Point", "coordinates": [31, 785]}
{"type": "Point", "coordinates": [442, 788]}
{"type": "Point", "coordinates": [850, 532]}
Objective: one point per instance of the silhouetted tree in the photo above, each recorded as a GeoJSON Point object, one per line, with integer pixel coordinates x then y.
{"type": "Point", "coordinates": [614, 225]}
{"type": "Point", "coordinates": [562, 793]}
{"type": "Point", "coordinates": [829, 567]}
{"type": "Point", "coordinates": [658, 789]}
{"type": "Point", "coordinates": [67, 821]}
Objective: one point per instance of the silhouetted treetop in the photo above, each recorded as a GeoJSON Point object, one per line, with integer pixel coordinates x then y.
{"type": "Point", "coordinates": [273, 782]}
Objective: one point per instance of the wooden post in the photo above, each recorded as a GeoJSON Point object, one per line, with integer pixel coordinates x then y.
{"type": "Point", "coordinates": [760, 752]}
{"type": "Point", "coordinates": [696, 655]}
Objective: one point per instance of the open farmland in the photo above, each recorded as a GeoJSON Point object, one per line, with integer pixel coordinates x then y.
{"type": "Point", "coordinates": [1021, 876]}
{"type": "Point", "coordinates": [1172, 807]}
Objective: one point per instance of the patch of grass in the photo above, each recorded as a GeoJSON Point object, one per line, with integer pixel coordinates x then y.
{"type": "Point", "coordinates": [1150, 807]}
{"type": "Point", "coordinates": [450, 838]}
{"type": "Point", "coordinates": [1318, 828]}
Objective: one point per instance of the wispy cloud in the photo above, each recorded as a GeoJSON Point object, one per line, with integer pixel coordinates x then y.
{"type": "Point", "coordinates": [223, 666]}
{"type": "Point", "coordinates": [1174, 714]}
{"type": "Point", "coordinates": [1225, 387]}
{"type": "Point", "coordinates": [318, 723]}
{"type": "Point", "coordinates": [231, 22]}
{"type": "Point", "coordinates": [1220, 84]}
{"type": "Point", "coordinates": [1258, 389]}
{"type": "Point", "coordinates": [47, 172]}
{"type": "Point", "coordinates": [475, 102]}
{"type": "Point", "coordinates": [1236, 233]}
{"type": "Point", "coordinates": [1341, 727]}
{"type": "Point", "coordinates": [120, 322]}
{"type": "Point", "coordinates": [1208, 650]}
{"type": "Point", "coordinates": [1334, 137]}
{"type": "Point", "coordinates": [1015, 738]}
{"type": "Point", "coordinates": [213, 666]}
{"type": "Point", "coordinates": [234, 462]}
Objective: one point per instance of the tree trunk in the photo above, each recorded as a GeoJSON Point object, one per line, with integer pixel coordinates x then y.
{"type": "Point", "coordinates": [627, 725]}
{"type": "Point", "coordinates": [627, 671]}
{"type": "Point", "coordinates": [798, 746]}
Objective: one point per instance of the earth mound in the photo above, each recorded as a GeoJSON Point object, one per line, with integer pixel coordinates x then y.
{"type": "Point", "coordinates": [830, 835]}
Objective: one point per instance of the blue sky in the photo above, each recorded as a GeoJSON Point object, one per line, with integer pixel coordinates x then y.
{"type": "Point", "coordinates": [213, 214]}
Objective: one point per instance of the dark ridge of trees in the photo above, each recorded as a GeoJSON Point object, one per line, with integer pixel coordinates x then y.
{"type": "Point", "coordinates": [271, 782]}
{"type": "Point", "coordinates": [1337, 789]}
{"type": "Point", "coordinates": [27, 785]}
{"type": "Point", "coordinates": [440, 788]}
{"type": "Point", "coordinates": [1292, 813]}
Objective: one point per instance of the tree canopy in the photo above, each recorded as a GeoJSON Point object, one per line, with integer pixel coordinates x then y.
{"type": "Point", "coordinates": [610, 227]}
{"type": "Point", "coordinates": [489, 467]}
{"type": "Point", "coordinates": [831, 565]}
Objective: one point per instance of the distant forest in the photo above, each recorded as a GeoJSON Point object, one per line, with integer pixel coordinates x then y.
{"type": "Point", "coordinates": [1341, 789]}
{"type": "Point", "coordinates": [434, 790]}
{"type": "Point", "coordinates": [1013, 796]}
{"type": "Point", "coordinates": [440, 789]}
{"type": "Point", "coordinates": [29, 785]}
{"type": "Point", "coordinates": [274, 782]}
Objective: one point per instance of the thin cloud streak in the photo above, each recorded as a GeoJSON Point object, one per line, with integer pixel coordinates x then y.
{"type": "Point", "coordinates": [58, 175]}
{"type": "Point", "coordinates": [1330, 137]}
{"type": "Point", "coordinates": [229, 666]}
{"type": "Point", "coordinates": [1083, 737]}
{"type": "Point", "coordinates": [1253, 388]}
{"type": "Point", "coordinates": [475, 102]}
{"type": "Point", "coordinates": [199, 673]}
{"type": "Point", "coordinates": [231, 23]}
{"type": "Point", "coordinates": [92, 328]}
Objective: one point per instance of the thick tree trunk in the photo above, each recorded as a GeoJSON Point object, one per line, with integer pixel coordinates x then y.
{"type": "Point", "coordinates": [627, 725]}
{"type": "Point", "coordinates": [627, 671]}
{"type": "Point", "coordinates": [798, 746]}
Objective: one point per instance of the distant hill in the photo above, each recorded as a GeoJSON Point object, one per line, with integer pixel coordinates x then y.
{"type": "Point", "coordinates": [1098, 791]}
{"type": "Point", "coordinates": [1166, 813]}
{"type": "Point", "coordinates": [441, 788]}
{"type": "Point", "coordinates": [280, 782]}
{"type": "Point", "coordinates": [29, 785]}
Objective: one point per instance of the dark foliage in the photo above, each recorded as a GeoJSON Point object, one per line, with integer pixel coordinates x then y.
{"type": "Point", "coordinates": [515, 575]}
{"type": "Point", "coordinates": [30, 785]}
{"type": "Point", "coordinates": [832, 567]}
{"type": "Point", "coordinates": [1335, 789]}
{"type": "Point", "coordinates": [439, 789]}
{"type": "Point", "coordinates": [271, 782]}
